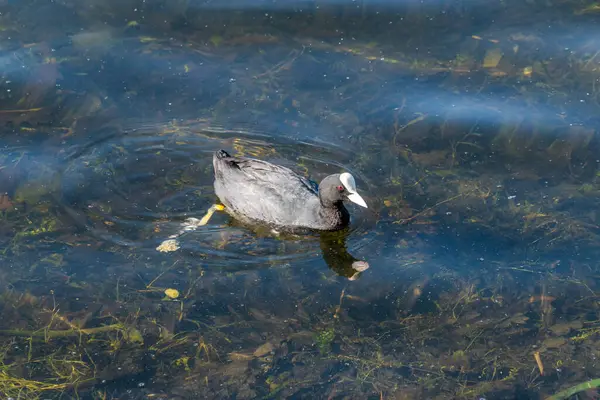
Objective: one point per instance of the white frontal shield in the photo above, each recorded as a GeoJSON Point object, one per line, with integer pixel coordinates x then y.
{"type": "Point", "coordinates": [350, 185]}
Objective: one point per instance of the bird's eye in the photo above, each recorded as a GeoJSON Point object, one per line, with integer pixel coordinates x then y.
{"type": "Point", "coordinates": [340, 188]}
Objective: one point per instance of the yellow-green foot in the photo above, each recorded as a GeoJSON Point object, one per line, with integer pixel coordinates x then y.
{"type": "Point", "coordinates": [215, 207]}
{"type": "Point", "coordinates": [190, 224]}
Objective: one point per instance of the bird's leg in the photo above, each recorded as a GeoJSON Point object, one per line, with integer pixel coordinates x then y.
{"type": "Point", "coordinates": [190, 224]}
{"type": "Point", "coordinates": [204, 220]}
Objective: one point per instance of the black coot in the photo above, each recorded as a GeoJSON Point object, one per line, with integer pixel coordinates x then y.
{"type": "Point", "coordinates": [256, 191]}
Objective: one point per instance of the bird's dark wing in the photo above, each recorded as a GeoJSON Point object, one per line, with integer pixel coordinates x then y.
{"type": "Point", "coordinates": [260, 190]}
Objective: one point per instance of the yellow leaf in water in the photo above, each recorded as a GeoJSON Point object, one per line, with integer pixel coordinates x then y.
{"type": "Point", "coordinates": [492, 58]}
{"type": "Point", "coordinates": [186, 68]}
{"type": "Point", "coordinates": [172, 293]}
{"type": "Point", "coordinates": [387, 203]}
{"type": "Point", "coordinates": [527, 71]}
{"type": "Point", "coordinates": [216, 40]}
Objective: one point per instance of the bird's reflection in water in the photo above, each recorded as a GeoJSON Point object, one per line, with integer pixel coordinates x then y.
{"type": "Point", "coordinates": [336, 255]}
{"type": "Point", "coordinates": [333, 244]}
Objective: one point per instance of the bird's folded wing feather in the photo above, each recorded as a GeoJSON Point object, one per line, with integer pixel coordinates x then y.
{"type": "Point", "coordinates": [266, 173]}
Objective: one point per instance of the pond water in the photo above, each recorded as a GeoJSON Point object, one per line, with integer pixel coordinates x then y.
{"type": "Point", "coordinates": [470, 127]}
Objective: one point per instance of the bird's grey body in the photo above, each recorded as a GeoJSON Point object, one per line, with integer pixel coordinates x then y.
{"type": "Point", "coordinates": [256, 191]}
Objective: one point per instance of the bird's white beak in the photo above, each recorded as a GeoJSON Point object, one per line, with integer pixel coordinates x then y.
{"type": "Point", "coordinates": [348, 181]}
{"type": "Point", "coordinates": [357, 199]}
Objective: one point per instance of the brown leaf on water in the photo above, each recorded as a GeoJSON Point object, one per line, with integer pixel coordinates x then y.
{"type": "Point", "coordinates": [538, 361]}
{"type": "Point", "coordinates": [5, 202]}
{"type": "Point", "coordinates": [264, 350]}
{"type": "Point", "coordinates": [542, 298]}
{"type": "Point", "coordinates": [356, 298]}
{"type": "Point", "coordinates": [235, 356]}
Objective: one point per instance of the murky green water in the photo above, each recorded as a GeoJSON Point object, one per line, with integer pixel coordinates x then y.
{"type": "Point", "coordinates": [471, 129]}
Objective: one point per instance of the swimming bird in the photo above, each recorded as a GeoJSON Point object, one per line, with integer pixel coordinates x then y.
{"type": "Point", "coordinates": [259, 192]}
{"type": "Point", "coordinates": [256, 191]}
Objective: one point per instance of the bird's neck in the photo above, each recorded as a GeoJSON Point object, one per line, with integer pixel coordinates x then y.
{"type": "Point", "coordinates": [334, 212]}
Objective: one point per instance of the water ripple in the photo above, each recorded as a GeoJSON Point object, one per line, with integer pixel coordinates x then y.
{"type": "Point", "coordinates": [136, 188]}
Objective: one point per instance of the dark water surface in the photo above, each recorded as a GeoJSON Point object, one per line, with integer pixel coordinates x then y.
{"type": "Point", "coordinates": [471, 128]}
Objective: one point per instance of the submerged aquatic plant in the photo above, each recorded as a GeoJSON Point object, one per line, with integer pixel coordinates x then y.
{"type": "Point", "coordinates": [324, 339]}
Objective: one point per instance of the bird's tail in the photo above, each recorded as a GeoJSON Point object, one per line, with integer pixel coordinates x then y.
{"type": "Point", "coordinates": [220, 154]}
